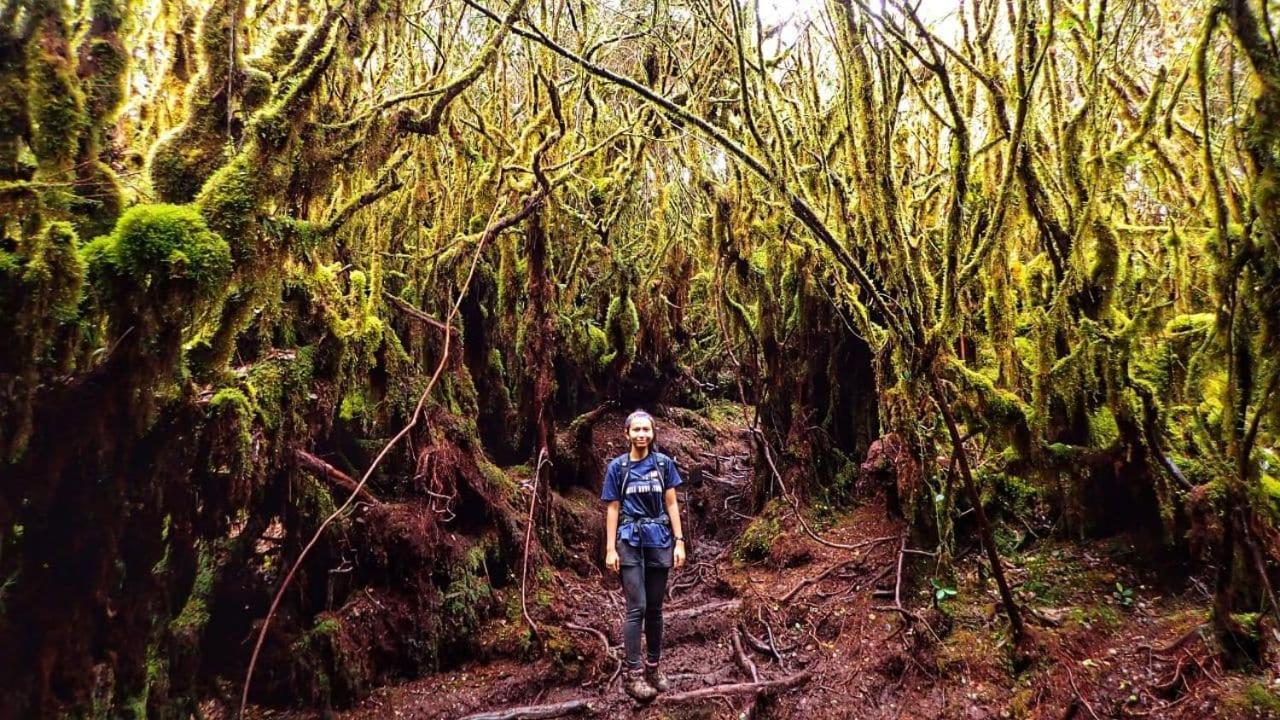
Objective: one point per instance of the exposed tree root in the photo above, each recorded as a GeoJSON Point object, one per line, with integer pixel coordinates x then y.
{"type": "Point", "coordinates": [332, 475]}
{"type": "Point", "coordinates": [764, 687]}
{"type": "Point", "coordinates": [740, 657]}
{"type": "Point", "coordinates": [536, 712]}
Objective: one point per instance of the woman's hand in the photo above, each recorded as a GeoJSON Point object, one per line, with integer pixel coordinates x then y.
{"type": "Point", "coordinates": [611, 560]}
{"type": "Point", "coordinates": [679, 555]}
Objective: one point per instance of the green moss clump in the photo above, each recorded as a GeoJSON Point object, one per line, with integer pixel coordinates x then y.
{"type": "Point", "coordinates": [179, 167]}
{"type": "Point", "coordinates": [999, 406]}
{"type": "Point", "coordinates": [231, 405]}
{"type": "Point", "coordinates": [54, 274]}
{"type": "Point", "coordinates": [1259, 698]}
{"type": "Point", "coordinates": [155, 244]}
{"type": "Point", "coordinates": [279, 389]}
{"type": "Point", "coordinates": [315, 503]}
{"type": "Point", "coordinates": [468, 596]}
{"type": "Point", "coordinates": [229, 203]}
{"type": "Point", "coordinates": [355, 405]}
{"type": "Point", "coordinates": [499, 480]}
{"type": "Point", "coordinates": [1062, 453]}
{"type": "Point", "coordinates": [231, 400]}
{"type": "Point", "coordinates": [757, 539]}
{"type": "Point", "coordinates": [326, 626]}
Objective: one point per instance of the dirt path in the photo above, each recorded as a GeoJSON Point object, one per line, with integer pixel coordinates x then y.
{"type": "Point", "coordinates": [764, 622]}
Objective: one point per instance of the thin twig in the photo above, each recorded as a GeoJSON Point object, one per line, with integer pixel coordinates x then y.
{"type": "Point", "coordinates": [528, 536]}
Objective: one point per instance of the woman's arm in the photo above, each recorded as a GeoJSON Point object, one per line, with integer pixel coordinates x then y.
{"type": "Point", "coordinates": [611, 534]}
{"type": "Point", "coordinates": [673, 511]}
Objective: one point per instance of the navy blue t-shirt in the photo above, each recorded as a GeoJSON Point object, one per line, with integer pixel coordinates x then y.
{"type": "Point", "coordinates": [640, 488]}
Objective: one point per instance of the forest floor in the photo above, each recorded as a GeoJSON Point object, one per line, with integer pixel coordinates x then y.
{"type": "Point", "coordinates": [764, 622]}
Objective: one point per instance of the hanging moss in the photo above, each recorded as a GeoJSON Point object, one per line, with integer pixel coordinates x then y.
{"type": "Point", "coordinates": [279, 386]}
{"type": "Point", "coordinates": [14, 120]}
{"type": "Point", "coordinates": [54, 100]}
{"type": "Point", "coordinates": [104, 67]}
{"type": "Point", "coordinates": [100, 198]}
{"type": "Point", "coordinates": [622, 324]}
{"type": "Point", "coordinates": [194, 615]}
{"type": "Point", "coordinates": [39, 299]}
{"type": "Point", "coordinates": [231, 403]}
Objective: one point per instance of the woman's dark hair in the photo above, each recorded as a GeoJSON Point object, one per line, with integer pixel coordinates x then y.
{"type": "Point", "coordinates": [638, 415]}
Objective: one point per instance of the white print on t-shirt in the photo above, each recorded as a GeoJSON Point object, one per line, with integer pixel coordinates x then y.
{"type": "Point", "coordinates": [651, 483]}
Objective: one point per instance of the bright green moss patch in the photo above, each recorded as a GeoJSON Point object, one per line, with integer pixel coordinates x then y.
{"type": "Point", "coordinates": [1257, 697]}
{"type": "Point", "coordinates": [155, 243]}
{"type": "Point", "coordinates": [1000, 406]}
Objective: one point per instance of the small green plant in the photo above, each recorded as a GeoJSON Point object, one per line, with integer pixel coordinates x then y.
{"type": "Point", "coordinates": [941, 593]}
{"type": "Point", "coordinates": [1123, 595]}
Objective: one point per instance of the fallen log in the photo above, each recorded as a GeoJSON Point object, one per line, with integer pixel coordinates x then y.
{"type": "Point", "coordinates": [331, 474]}
{"type": "Point", "coordinates": [536, 712]}
{"type": "Point", "coordinates": [764, 687]}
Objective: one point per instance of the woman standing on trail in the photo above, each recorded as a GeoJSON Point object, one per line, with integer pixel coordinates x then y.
{"type": "Point", "coordinates": [644, 541]}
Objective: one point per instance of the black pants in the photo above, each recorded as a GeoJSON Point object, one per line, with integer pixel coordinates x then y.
{"type": "Point", "coordinates": [644, 582]}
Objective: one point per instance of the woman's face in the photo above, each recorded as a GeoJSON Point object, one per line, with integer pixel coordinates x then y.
{"type": "Point", "coordinates": [640, 433]}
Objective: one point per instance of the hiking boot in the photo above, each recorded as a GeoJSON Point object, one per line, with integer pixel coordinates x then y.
{"type": "Point", "coordinates": [655, 677]}
{"type": "Point", "coordinates": [637, 687]}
